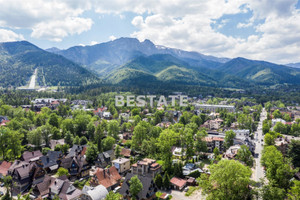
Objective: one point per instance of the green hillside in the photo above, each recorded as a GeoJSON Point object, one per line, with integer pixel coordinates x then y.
{"type": "Point", "coordinates": [261, 72]}
{"type": "Point", "coordinates": [160, 68]}
{"type": "Point", "coordinates": [19, 59]}
{"type": "Point", "coordinates": [183, 75]}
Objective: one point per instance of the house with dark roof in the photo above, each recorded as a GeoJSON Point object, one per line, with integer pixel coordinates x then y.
{"type": "Point", "coordinates": [148, 191]}
{"type": "Point", "coordinates": [31, 156]}
{"type": "Point", "coordinates": [22, 173]}
{"type": "Point", "coordinates": [38, 175]}
{"type": "Point", "coordinates": [3, 118]}
{"type": "Point", "coordinates": [76, 150]}
{"type": "Point", "coordinates": [94, 193]}
{"type": "Point", "coordinates": [64, 189]}
{"type": "Point", "coordinates": [77, 166]}
{"type": "Point", "coordinates": [105, 158]}
{"type": "Point", "coordinates": [109, 178]}
{"type": "Point", "coordinates": [42, 189]}
{"type": "Point", "coordinates": [51, 161]}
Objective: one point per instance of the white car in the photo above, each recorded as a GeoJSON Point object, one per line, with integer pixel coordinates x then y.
{"type": "Point", "coordinates": [186, 189]}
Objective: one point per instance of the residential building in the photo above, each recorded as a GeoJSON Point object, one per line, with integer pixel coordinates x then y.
{"type": "Point", "coordinates": [76, 150]}
{"type": "Point", "coordinates": [42, 189]}
{"type": "Point", "coordinates": [21, 173]}
{"type": "Point", "coordinates": [274, 121]}
{"type": "Point", "coordinates": [51, 161]}
{"type": "Point", "coordinates": [242, 133]}
{"type": "Point", "coordinates": [3, 118]}
{"type": "Point", "coordinates": [107, 115]}
{"type": "Point", "coordinates": [125, 152]}
{"type": "Point", "coordinates": [213, 124]}
{"type": "Point", "coordinates": [28, 156]}
{"type": "Point", "coordinates": [178, 152]}
{"type": "Point", "coordinates": [105, 158]}
{"type": "Point", "coordinates": [178, 183]}
{"type": "Point", "coordinates": [4, 167]}
{"type": "Point", "coordinates": [190, 168]}
{"type": "Point", "coordinates": [38, 175]}
{"type": "Point", "coordinates": [164, 124]}
{"type": "Point", "coordinates": [77, 166]}
{"type": "Point", "coordinates": [232, 151]}
{"type": "Point", "coordinates": [94, 193]}
{"type": "Point", "coordinates": [53, 143]}
{"type": "Point", "coordinates": [122, 164]}
{"type": "Point", "coordinates": [64, 189]}
{"type": "Point", "coordinates": [127, 136]}
{"type": "Point", "coordinates": [214, 108]}
{"type": "Point", "coordinates": [109, 178]}
{"type": "Point", "coordinates": [124, 116]}
{"type": "Point", "coordinates": [146, 167]}
{"type": "Point", "coordinates": [148, 191]}
{"type": "Point", "coordinates": [213, 142]}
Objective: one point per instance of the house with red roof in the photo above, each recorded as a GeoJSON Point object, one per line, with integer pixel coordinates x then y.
{"type": "Point", "coordinates": [178, 183]}
{"type": "Point", "coordinates": [4, 166]}
{"type": "Point", "coordinates": [109, 178]}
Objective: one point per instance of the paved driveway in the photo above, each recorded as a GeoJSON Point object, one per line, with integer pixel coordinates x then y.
{"type": "Point", "coordinates": [177, 195]}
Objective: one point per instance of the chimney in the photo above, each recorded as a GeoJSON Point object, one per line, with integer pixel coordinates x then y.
{"type": "Point", "coordinates": [32, 153]}
{"type": "Point", "coordinates": [104, 173]}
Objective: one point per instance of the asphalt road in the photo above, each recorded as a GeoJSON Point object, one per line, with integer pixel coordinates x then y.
{"type": "Point", "coordinates": [259, 172]}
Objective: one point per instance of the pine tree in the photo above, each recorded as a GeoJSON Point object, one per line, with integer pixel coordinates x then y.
{"type": "Point", "coordinates": [166, 181]}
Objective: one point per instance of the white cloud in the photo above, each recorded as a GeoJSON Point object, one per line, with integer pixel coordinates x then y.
{"type": "Point", "coordinates": [56, 30]}
{"type": "Point", "coordinates": [8, 36]}
{"type": "Point", "coordinates": [277, 38]}
{"type": "Point", "coordinates": [266, 8]}
{"type": "Point", "coordinates": [244, 25]}
{"type": "Point", "coordinates": [46, 17]}
{"type": "Point", "coordinates": [112, 38]}
{"type": "Point", "coordinates": [94, 42]}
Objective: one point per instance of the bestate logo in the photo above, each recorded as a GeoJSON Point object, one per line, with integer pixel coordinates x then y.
{"type": "Point", "coordinates": [142, 100]}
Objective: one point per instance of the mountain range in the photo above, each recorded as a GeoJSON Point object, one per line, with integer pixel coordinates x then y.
{"type": "Point", "coordinates": [127, 61]}
{"type": "Point", "coordinates": [18, 60]}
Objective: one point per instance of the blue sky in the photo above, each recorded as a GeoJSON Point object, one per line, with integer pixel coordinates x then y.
{"type": "Point", "coordinates": [255, 29]}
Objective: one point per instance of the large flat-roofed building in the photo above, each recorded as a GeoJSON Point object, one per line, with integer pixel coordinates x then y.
{"type": "Point", "coordinates": [122, 164]}
{"type": "Point", "coordinates": [214, 108]}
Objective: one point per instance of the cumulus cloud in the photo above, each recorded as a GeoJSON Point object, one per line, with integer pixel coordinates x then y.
{"type": "Point", "coordinates": [112, 38]}
{"type": "Point", "coordinates": [271, 8]}
{"type": "Point", "coordinates": [48, 19]}
{"type": "Point", "coordinates": [276, 38]}
{"type": "Point", "coordinates": [8, 36]}
{"type": "Point", "coordinates": [56, 30]}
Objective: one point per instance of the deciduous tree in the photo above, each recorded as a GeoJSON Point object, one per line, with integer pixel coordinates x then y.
{"type": "Point", "coordinates": [135, 186]}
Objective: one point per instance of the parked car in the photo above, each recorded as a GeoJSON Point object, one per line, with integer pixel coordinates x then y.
{"type": "Point", "coordinates": [186, 189]}
{"type": "Point", "coordinates": [1, 193]}
{"type": "Point", "coordinates": [117, 189]}
{"type": "Point", "coordinates": [2, 184]}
